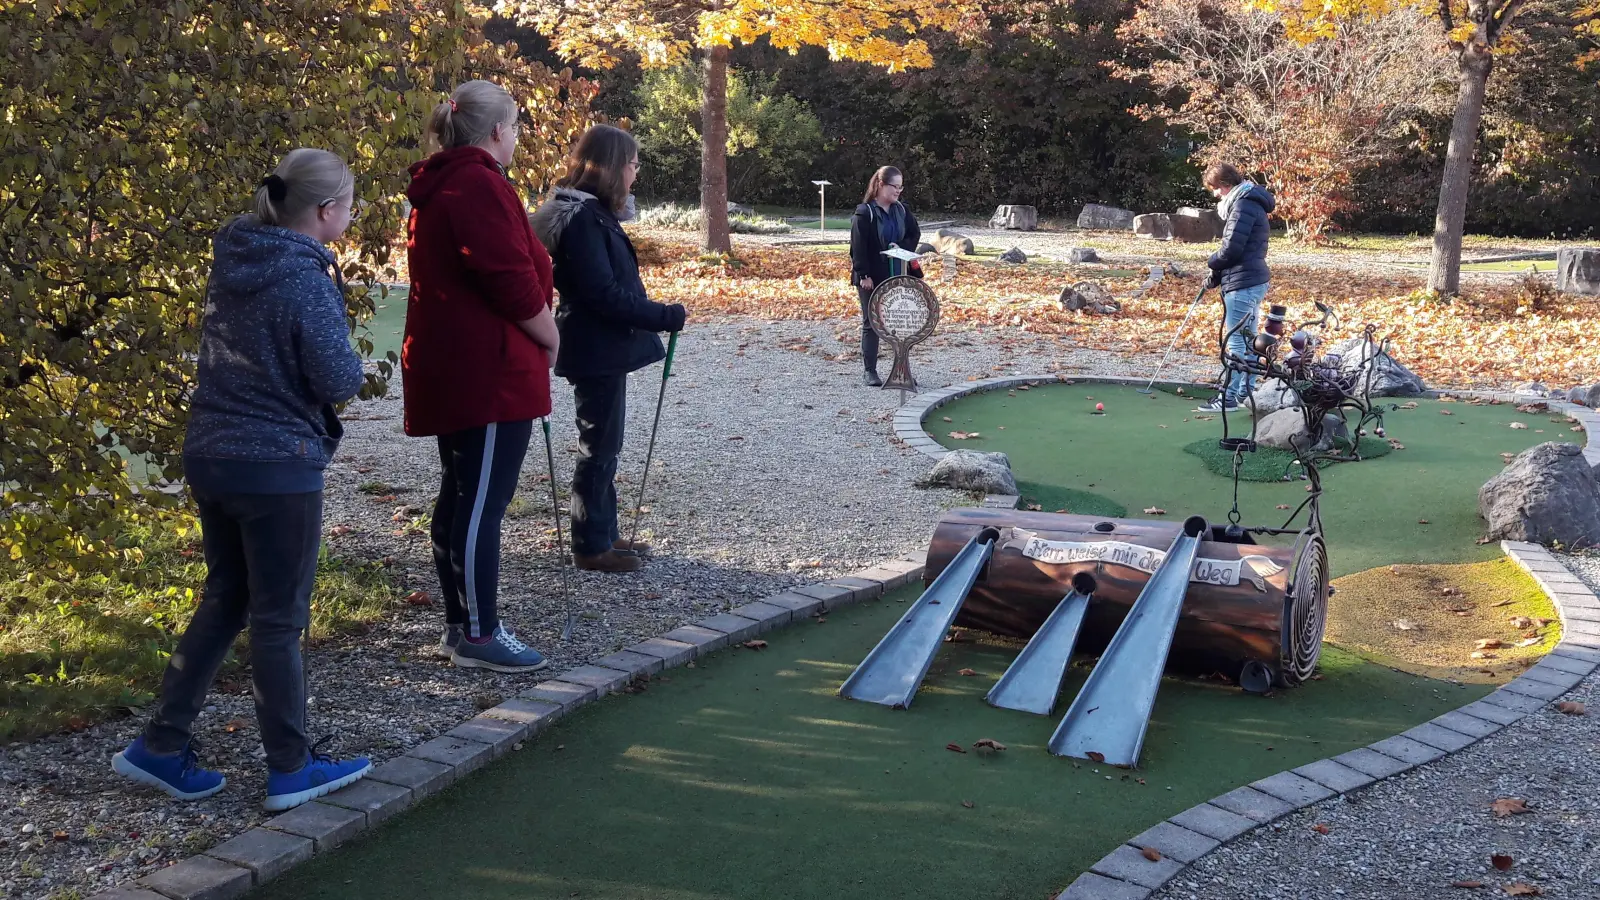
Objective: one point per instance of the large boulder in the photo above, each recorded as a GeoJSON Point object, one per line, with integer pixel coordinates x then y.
{"type": "Point", "coordinates": [1286, 430]}
{"type": "Point", "coordinates": [1578, 270]}
{"type": "Point", "coordinates": [1082, 255]}
{"type": "Point", "coordinates": [1088, 295]}
{"type": "Point", "coordinates": [1015, 218]}
{"type": "Point", "coordinates": [1389, 378]}
{"type": "Point", "coordinates": [1014, 255]}
{"type": "Point", "coordinates": [973, 470]}
{"type": "Point", "coordinates": [1546, 495]}
{"type": "Point", "coordinates": [1196, 226]}
{"type": "Point", "coordinates": [1156, 226]}
{"type": "Point", "coordinates": [1105, 218]}
{"type": "Point", "coordinates": [947, 241]}
{"type": "Point", "coordinates": [1271, 395]}
{"type": "Point", "coordinates": [1591, 396]}
{"type": "Point", "coordinates": [1578, 395]}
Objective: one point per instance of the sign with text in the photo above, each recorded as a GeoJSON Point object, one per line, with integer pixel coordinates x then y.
{"type": "Point", "coordinates": [903, 311]}
{"type": "Point", "coordinates": [1227, 572]}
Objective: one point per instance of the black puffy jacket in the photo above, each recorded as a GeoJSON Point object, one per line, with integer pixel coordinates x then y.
{"type": "Point", "coordinates": [1241, 262]}
{"type": "Point", "coordinates": [608, 326]}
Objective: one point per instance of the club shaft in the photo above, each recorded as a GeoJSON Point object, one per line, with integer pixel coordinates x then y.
{"type": "Point", "coordinates": [1182, 326]}
{"type": "Point", "coordinates": [561, 544]}
{"type": "Point", "coordinates": [650, 450]}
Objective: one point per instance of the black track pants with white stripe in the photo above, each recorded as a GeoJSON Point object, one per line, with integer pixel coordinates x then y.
{"type": "Point", "coordinates": [479, 468]}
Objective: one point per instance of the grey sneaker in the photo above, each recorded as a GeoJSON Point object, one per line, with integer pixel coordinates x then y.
{"type": "Point", "coordinates": [448, 641]}
{"type": "Point", "coordinates": [502, 653]}
{"type": "Point", "coordinates": [1216, 406]}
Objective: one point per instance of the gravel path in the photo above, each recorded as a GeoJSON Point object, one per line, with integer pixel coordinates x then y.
{"type": "Point", "coordinates": [774, 467]}
{"type": "Point", "coordinates": [1415, 835]}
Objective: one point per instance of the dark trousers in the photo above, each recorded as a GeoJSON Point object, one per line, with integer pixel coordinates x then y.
{"type": "Point", "coordinates": [261, 563]}
{"type": "Point", "coordinates": [601, 407]}
{"type": "Point", "coordinates": [479, 469]}
{"type": "Point", "coordinates": [869, 338]}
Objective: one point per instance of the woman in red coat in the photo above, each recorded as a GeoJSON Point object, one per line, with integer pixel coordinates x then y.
{"type": "Point", "coordinates": [476, 358]}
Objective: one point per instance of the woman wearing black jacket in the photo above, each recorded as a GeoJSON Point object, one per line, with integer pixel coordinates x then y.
{"type": "Point", "coordinates": [880, 221]}
{"type": "Point", "coordinates": [608, 328]}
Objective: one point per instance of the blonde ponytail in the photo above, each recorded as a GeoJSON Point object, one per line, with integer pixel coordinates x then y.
{"type": "Point", "coordinates": [469, 115]}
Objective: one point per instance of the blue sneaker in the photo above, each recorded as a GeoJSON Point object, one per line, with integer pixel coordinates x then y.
{"type": "Point", "coordinates": [321, 775]}
{"type": "Point", "coordinates": [175, 773]}
{"type": "Point", "coordinates": [448, 642]}
{"type": "Point", "coordinates": [502, 653]}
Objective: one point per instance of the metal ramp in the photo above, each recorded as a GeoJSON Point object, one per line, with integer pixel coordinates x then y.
{"type": "Point", "coordinates": [1033, 680]}
{"type": "Point", "coordinates": [1109, 716]}
{"type": "Point", "coordinates": [892, 672]}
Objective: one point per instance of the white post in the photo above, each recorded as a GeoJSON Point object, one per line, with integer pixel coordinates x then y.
{"type": "Point", "coordinates": [822, 211]}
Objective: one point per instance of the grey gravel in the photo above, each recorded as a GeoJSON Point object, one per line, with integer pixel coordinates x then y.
{"type": "Point", "coordinates": [774, 467]}
{"type": "Point", "coordinates": [1416, 834]}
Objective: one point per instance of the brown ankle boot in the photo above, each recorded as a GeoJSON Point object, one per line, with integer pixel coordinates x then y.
{"type": "Point", "coordinates": [609, 561]}
{"type": "Point", "coordinates": [639, 548]}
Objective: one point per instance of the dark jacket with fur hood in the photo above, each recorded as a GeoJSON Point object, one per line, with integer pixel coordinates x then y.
{"type": "Point", "coordinates": [608, 326]}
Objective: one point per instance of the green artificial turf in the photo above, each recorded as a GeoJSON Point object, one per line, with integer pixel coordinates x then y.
{"type": "Point", "coordinates": [1133, 455]}
{"type": "Point", "coordinates": [1270, 464]}
{"type": "Point", "coordinates": [388, 325]}
{"type": "Point", "coordinates": [747, 777]}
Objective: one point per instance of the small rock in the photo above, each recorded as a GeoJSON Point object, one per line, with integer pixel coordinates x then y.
{"type": "Point", "coordinates": [1156, 226]}
{"type": "Point", "coordinates": [1014, 255]}
{"type": "Point", "coordinates": [1082, 255]}
{"type": "Point", "coordinates": [972, 470]}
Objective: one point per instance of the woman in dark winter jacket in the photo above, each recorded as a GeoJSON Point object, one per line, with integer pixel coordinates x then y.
{"type": "Point", "coordinates": [881, 221]}
{"type": "Point", "coordinates": [1239, 266]}
{"type": "Point", "coordinates": [476, 359]}
{"type": "Point", "coordinates": [609, 328]}
{"type": "Point", "coordinates": [274, 359]}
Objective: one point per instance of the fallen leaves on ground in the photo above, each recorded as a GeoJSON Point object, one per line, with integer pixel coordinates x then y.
{"type": "Point", "coordinates": [1509, 806]}
{"type": "Point", "coordinates": [1501, 861]}
{"type": "Point", "coordinates": [419, 598]}
{"type": "Point", "coordinates": [1466, 884]}
{"type": "Point", "coordinates": [964, 435]}
{"type": "Point", "coordinates": [988, 744]}
{"type": "Point", "coordinates": [968, 672]}
{"type": "Point", "coordinates": [1151, 853]}
{"type": "Point", "coordinates": [756, 645]}
{"type": "Point", "coordinates": [968, 804]}
{"type": "Point", "coordinates": [1320, 828]}
{"type": "Point", "coordinates": [1519, 425]}
{"type": "Point", "coordinates": [1154, 511]}
{"type": "Point", "coordinates": [1523, 889]}
{"type": "Point", "coordinates": [955, 747]}
{"type": "Point", "coordinates": [1521, 622]}
{"type": "Point", "coordinates": [1488, 644]}
{"type": "Point", "coordinates": [1571, 708]}
{"type": "Point", "coordinates": [1283, 506]}
{"type": "Point", "coordinates": [1096, 755]}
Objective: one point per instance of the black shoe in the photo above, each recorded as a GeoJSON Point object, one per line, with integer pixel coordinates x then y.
{"type": "Point", "coordinates": [871, 379]}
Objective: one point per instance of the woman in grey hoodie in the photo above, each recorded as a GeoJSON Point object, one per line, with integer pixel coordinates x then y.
{"type": "Point", "coordinates": [275, 357]}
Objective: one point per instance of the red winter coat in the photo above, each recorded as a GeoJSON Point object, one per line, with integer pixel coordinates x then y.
{"type": "Point", "coordinates": [476, 271]}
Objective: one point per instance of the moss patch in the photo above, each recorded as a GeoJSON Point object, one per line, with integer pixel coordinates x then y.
{"type": "Point", "coordinates": [1427, 620]}
{"type": "Point", "coordinates": [1270, 464]}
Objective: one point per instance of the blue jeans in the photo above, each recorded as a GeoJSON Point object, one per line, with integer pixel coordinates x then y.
{"type": "Point", "coordinates": [1236, 306]}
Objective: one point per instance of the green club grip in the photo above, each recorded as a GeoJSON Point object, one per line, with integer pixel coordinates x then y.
{"type": "Point", "coordinates": [546, 423]}
{"type": "Point", "coordinates": [672, 348]}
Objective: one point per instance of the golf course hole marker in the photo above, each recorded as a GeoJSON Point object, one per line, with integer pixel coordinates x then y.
{"type": "Point", "coordinates": [903, 311]}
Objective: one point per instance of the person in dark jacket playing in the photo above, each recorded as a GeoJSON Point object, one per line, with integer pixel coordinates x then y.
{"type": "Point", "coordinates": [1239, 267]}
{"type": "Point", "coordinates": [609, 328]}
{"type": "Point", "coordinates": [881, 221]}
{"type": "Point", "coordinates": [476, 358]}
{"type": "Point", "coordinates": [275, 357]}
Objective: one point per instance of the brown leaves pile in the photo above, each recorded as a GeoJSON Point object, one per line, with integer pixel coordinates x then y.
{"type": "Point", "coordinates": [1509, 806]}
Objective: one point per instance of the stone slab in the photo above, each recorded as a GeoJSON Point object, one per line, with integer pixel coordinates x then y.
{"type": "Point", "coordinates": [1553, 676]}
{"type": "Point", "coordinates": [1568, 664]}
{"type": "Point", "coordinates": [376, 799]}
{"type": "Point", "coordinates": [1407, 750]}
{"type": "Point", "coordinates": [767, 616]}
{"type": "Point", "coordinates": [671, 653]}
{"type": "Point", "coordinates": [1292, 789]}
{"type": "Point", "coordinates": [863, 588]}
{"type": "Point", "coordinates": [1372, 763]}
{"type": "Point", "coordinates": [128, 892]}
{"type": "Point", "coordinates": [1512, 700]}
{"type": "Point", "coordinates": [1175, 842]}
{"type": "Point", "coordinates": [325, 826]}
{"type": "Point", "coordinates": [799, 605]}
{"type": "Point", "coordinates": [1127, 864]}
{"type": "Point", "coordinates": [496, 731]}
{"type": "Point", "coordinates": [1466, 723]}
{"type": "Point", "coordinates": [1334, 775]}
{"type": "Point", "coordinates": [565, 694]}
{"type": "Point", "coordinates": [1491, 712]}
{"type": "Point", "coordinates": [831, 595]}
{"type": "Point", "coordinates": [890, 578]}
{"type": "Point", "coordinates": [737, 628]}
{"type": "Point", "coordinates": [603, 680]}
{"type": "Point", "coordinates": [533, 715]}
{"type": "Point", "coordinates": [199, 878]}
{"type": "Point", "coordinates": [463, 755]}
{"type": "Point", "coordinates": [1533, 687]}
{"type": "Point", "coordinates": [1573, 651]}
{"type": "Point", "coordinates": [1438, 737]}
{"type": "Point", "coordinates": [422, 777]}
{"type": "Point", "coordinates": [266, 853]}
{"type": "Point", "coordinates": [1090, 886]}
{"type": "Point", "coordinates": [635, 664]}
{"type": "Point", "coordinates": [1253, 804]}
{"type": "Point", "coordinates": [1213, 822]}
{"type": "Point", "coordinates": [704, 640]}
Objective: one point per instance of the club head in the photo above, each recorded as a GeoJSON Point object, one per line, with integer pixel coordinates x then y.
{"type": "Point", "coordinates": [566, 631]}
{"type": "Point", "coordinates": [1144, 390]}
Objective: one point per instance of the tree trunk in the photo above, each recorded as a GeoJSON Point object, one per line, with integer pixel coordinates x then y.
{"type": "Point", "coordinates": [714, 152]}
{"type": "Point", "coordinates": [1444, 276]}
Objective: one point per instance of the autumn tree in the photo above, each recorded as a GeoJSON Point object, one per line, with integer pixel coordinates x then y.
{"type": "Point", "coordinates": [666, 32]}
{"type": "Point", "coordinates": [130, 131]}
{"type": "Point", "coordinates": [1475, 32]}
{"type": "Point", "coordinates": [1305, 115]}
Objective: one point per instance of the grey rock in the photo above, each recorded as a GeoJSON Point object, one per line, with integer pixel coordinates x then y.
{"type": "Point", "coordinates": [1578, 395]}
{"type": "Point", "coordinates": [1534, 389]}
{"type": "Point", "coordinates": [1273, 394]}
{"type": "Point", "coordinates": [1578, 270]}
{"type": "Point", "coordinates": [1015, 218]}
{"type": "Point", "coordinates": [1088, 295]}
{"type": "Point", "coordinates": [972, 470]}
{"type": "Point", "coordinates": [1389, 379]}
{"type": "Point", "coordinates": [926, 247]}
{"type": "Point", "coordinates": [1286, 430]}
{"type": "Point", "coordinates": [1096, 217]}
{"type": "Point", "coordinates": [1591, 396]}
{"type": "Point", "coordinates": [1082, 255]}
{"type": "Point", "coordinates": [739, 209]}
{"type": "Point", "coordinates": [1547, 495]}
{"type": "Point", "coordinates": [1156, 226]}
{"type": "Point", "coordinates": [1014, 255]}
{"type": "Point", "coordinates": [947, 241]}
{"type": "Point", "coordinates": [1196, 226]}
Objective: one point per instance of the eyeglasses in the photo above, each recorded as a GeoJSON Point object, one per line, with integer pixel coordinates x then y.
{"type": "Point", "coordinates": [898, 187]}
{"type": "Point", "coordinates": [355, 211]}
